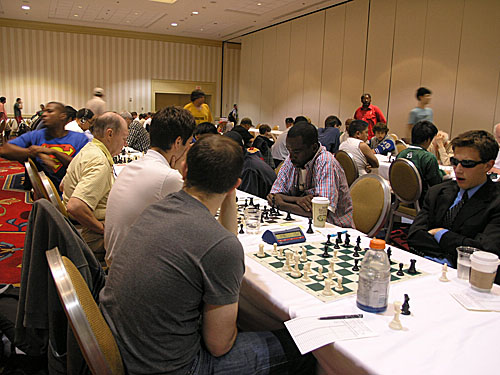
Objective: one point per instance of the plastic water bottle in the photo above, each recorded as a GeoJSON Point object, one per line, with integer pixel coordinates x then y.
{"type": "Point", "coordinates": [374, 278]}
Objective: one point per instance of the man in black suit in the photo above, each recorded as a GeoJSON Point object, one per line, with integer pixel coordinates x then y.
{"type": "Point", "coordinates": [465, 212]}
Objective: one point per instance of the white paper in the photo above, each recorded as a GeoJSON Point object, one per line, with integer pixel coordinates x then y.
{"type": "Point", "coordinates": [310, 333]}
{"type": "Point", "coordinates": [478, 301]}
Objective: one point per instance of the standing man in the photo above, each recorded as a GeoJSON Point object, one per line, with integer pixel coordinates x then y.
{"type": "Point", "coordinates": [3, 113]}
{"type": "Point", "coordinates": [198, 108]}
{"type": "Point", "coordinates": [158, 173]}
{"type": "Point", "coordinates": [18, 105]}
{"type": "Point", "coordinates": [421, 112]}
{"type": "Point", "coordinates": [90, 176]}
{"type": "Point", "coordinates": [278, 150]}
{"type": "Point", "coordinates": [171, 297]}
{"type": "Point", "coordinates": [369, 113]}
{"type": "Point", "coordinates": [97, 103]}
{"type": "Point", "coordinates": [233, 115]}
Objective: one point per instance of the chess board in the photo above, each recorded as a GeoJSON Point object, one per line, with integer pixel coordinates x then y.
{"type": "Point", "coordinates": [343, 267]}
{"type": "Point", "coordinates": [268, 219]}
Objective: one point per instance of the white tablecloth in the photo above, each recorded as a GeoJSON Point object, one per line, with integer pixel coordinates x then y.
{"type": "Point", "coordinates": [440, 337]}
{"type": "Point", "coordinates": [384, 165]}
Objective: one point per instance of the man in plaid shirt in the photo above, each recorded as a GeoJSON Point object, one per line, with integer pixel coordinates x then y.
{"type": "Point", "coordinates": [311, 171]}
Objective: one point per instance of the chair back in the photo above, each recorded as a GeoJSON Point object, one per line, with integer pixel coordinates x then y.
{"type": "Point", "coordinates": [346, 160]}
{"type": "Point", "coordinates": [400, 145]}
{"type": "Point", "coordinates": [371, 201]}
{"type": "Point", "coordinates": [405, 181]}
{"type": "Point", "coordinates": [53, 194]}
{"type": "Point", "coordinates": [91, 330]}
{"type": "Point", "coordinates": [277, 169]}
{"type": "Point", "coordinates": [36, 181]}
{"type": "Point", "coordinates": [394, 136]}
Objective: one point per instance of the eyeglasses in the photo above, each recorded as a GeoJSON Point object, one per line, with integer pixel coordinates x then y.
{"type": "Point", "coordinates": [465, 163]}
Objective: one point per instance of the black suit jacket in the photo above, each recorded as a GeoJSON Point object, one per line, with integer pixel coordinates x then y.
{"type": "Point", "coordinates": [477, 224]}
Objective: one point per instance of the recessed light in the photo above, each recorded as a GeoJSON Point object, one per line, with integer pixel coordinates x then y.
{"type": "Point", "coordinates": [127, 21]}
{"type": "Point", "coordinates": [26, 7]}
{"type": "Point", "coordinates": [136, 13]}
{"type": "Point", "coordinates": [75, 15]}
{"type": "Point", "coordinates": [173, 24]}
{"type": "Point", "coordinates": [195, 12]}
{"type": "Point", "coordinates": [80, 7]}
{"type": "Point", "coordinates": [259, 4]}
{"type": "Point", "coordinates": [201, 29]}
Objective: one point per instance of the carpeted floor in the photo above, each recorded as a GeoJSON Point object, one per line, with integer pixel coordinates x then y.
{"type": "Point", "coordinates": [15, 206]}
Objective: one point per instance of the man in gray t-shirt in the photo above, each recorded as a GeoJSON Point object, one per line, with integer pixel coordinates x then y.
{"type": "Point", "coordinates": [171, 298]}
{"type": "Point", "coordinates": [421, 112]}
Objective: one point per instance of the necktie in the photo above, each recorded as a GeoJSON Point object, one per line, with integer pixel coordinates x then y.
{"type": "Point", "coordinates": [452, 213]}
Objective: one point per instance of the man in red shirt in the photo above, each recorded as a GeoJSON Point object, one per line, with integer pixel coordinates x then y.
{"type": "Point", "coordinates": [369, 113]}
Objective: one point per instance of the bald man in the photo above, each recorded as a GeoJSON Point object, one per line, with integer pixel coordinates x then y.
{"type": "Point", "coordinates": [496, 133]}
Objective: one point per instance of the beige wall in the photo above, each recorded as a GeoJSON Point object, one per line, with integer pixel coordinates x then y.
{"type": "Point", "coordinates": [321, 64]}
{"type": "Point", "coordinates": [41, 65]}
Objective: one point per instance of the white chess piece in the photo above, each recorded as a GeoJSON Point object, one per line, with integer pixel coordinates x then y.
{"type": "Point", "coordinates": [275, 249]}
{"type": "Point", "coordinates": [320, 276]}
{"type": "Point", "coordinates": [339, 287]}
{"type": "Point", "coordinates": [327, 290]}
{"type": "Point", "coordinates": [280, 256]}
{"type": "Point", "coordinates": [332, 267]}
{"type": "Point", "coordinates": [443, 277]}
{"type": "Point", "coordinates": [303, 257]}
{"type": "Point", "coordinates": [261, 253]}
{"type": "Point", "coordinates": [395, 322]}
{"type": "Point", "coordinates": [335, 257]}
{"type": "Point", "coordinates": [287, 266]}
{"type": "Point", "coordinates": [296, 271]}
{"type": "Point", "coordinates": [306, 270]}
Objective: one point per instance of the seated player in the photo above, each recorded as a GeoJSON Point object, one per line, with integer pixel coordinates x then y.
{"type": "Point", "coordinates": [150, 178]}
{"type": "Point", "coordinates": [204, 128]}
{"type": "Point", "coordinates": [279, 150]}
{"type": "Point", "coordinates": [311, 171]}
{"type": "Point", "coordinates": [422, 135]}
{"type": "Point", "coordinates": [345, 134]}
{"type": "Point", "coordinates": [356, 145]}
{"type": "Point", "coordinates": [171, 297]}
{"type": "Point", "coordinates": [90, 176]}
{"type": "Point", "coordinates": [52, 147]}
{"type": "Point", "coordinates": [383, 143]}
{"type": "Point", "coordinates": [329, 136]}
{"type": "Point", "coordinates": [138, 136]}
{"type": "Point", "coordinates": [264, 142]}
{"type": "Point", "coordinates": [242, 129]}
{"type": "Point", "coordinates": [441, 148]}
{"type": "Point", "coordinates": [465, 212]}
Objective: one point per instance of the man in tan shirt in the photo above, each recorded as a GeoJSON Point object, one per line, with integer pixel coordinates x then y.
{"type": "Point", "coordinates": [90, 176]}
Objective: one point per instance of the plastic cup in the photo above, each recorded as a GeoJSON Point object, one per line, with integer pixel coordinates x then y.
{"type": "Point", "coordinates": [320, 211]}
{"type": "Point", "coordinates": [463, 261]}
{"type": "Point", "coordinates": [483, 270]}
{"type": "Point", "coordinates": [252, 220]}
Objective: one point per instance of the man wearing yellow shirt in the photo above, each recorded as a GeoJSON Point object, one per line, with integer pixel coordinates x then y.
{"type": "Point", "coordinates": [198, 108]}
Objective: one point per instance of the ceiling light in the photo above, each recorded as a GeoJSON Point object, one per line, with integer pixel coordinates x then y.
{"type": "Point", "coordinates": [75, 15]}
{"type": "Point", "coordinates": [165, 1]}
{"type": "Point", "coordinates": [173, 24]}
{"type": "Point", "coordinates": [80, 7]}
{"type": "Point", "coordinates": [195, 12]}
{"type": "Point", "coordinates": [201, 29]}
{"type": "Point", "coordinates": [26, 7]}
{"type": "Point", "coordinates": [259, 4]}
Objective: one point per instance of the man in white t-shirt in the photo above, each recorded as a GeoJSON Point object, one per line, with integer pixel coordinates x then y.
{"type": "Point", "coordinates": [364, 157]}
{"type": "Point", "coordinates": [496, 133]}
{"type": "Point", "coordinates": [150, 178]}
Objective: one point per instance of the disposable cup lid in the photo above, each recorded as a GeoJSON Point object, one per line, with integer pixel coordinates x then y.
{"type": "Point", "coordinates": [320, 200]}
{"type": "Point", "coordinates": [483, 256]}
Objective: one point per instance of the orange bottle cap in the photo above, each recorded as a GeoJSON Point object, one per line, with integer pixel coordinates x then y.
{"type": "Point", "coordinates": [377, 244]}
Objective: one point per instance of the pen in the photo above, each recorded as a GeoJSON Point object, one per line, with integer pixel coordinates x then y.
{"type": "Point", "coordinates": [341, 317]}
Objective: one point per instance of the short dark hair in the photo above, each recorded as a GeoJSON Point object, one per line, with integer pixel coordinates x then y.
{"type": "Point", "coordinates": [168, 124]}
{"type": "Point", "coordinates": [480, 140]}
{"type": "Point", "coordinates": [381, 127]}
{"type": "Point", "coordinates": [18, 99]}
{"type": "Point", "coordinates": [70, 113]}
{"type": "Point", "coordinates": [84, 113]}
{"type": "Point", "coordinates": [307, 131]}
{"type": "Point", "coordinates": [357, 126]}
{"type": "Point", "coordinates": [133, 113]}
{"type": "Point", "coordinates": [246, 121]}
{"type": "Point", "coordinates": [264, 128]}
{"type": "Point", "coordinates": [59, 106]}
{"type": "Point", "coordinates": [214, 164]}
{"type": "Point", "coordinates": [365, 95]}
{"type": "Point", "coordinates": [2, 99]}
{"type": "Point", "coordinates": [422, 131]}
{"type": "Point", "coordinates": [236, 137]}
{"type": "Point", "coordinates": [332, 121]}
{"type": "Point", "coordinates": [196, 94]}
{"type": "Point", "coordinates": [300, 119]}
{"type": "Point", "coordinates": [108, 120]}
{"type": "Point", "coordinates": [205, 128]}
{"type": "Point", "coordinates": [421, 91]}
{"type": "Point", "coordinates": [289, 120]}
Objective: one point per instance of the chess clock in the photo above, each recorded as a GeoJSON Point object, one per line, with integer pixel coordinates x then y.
{"type": "Point", "coordinates": [284, 237]}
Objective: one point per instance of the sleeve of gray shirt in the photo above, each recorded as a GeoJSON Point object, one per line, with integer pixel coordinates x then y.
{"type": "Point", "coordinates": [412, 118]}
{"type": "Point", "coordinates": [222, 271]}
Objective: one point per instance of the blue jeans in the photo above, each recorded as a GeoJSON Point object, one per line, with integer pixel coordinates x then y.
{"type": "Point", "coordinates": [256, 353]}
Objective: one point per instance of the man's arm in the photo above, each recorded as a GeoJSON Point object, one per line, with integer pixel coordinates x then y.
{"type": "Point", "coordinates": [219, 328]}
{"type": "Point", "coordinates": [39, 151]}
{"type": "Point", "coordinates": [380, 116]}
{"type": "Point", "coordinates": [296, 205]}
{"type": "Point", "coordinates": [433, 174]}
{"type": "Point", "coordinates": [79, 210]}
{"type": "Point", "coordinates": [13, 152]}
{"type": "Point", "coordinates": [370, 156]}
{"type": "Point", "coordinates": [228, 216]}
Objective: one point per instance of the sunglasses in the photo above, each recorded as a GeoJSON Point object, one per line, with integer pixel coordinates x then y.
{"type": "Point", "coordinates": [465, 163]}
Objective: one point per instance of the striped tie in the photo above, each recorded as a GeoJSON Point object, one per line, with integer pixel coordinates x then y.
{"type": "Point", "coordinates": [452, 213]}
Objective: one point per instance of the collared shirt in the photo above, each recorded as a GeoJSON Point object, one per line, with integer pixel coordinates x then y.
{"type": "Point", "coordinates": [138, 137]}
{"type": "Point", "coordinates": [279, 150]}
{"type": "Point", "coordinates": [324, 178]}
{"type": "Point", "coordinates": [371, 115]}
{"type": "Point", "coordinates": [90, 177]}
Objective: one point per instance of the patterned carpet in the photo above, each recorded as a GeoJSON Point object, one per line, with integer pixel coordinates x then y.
{"type": "Point", "coordinates": [15, 206]}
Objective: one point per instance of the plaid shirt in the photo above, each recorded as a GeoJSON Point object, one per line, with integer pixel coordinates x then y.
{"type": "Point", "coordinates": [138, 137]}
{"type": "Point", "coordinates": [324, 178]}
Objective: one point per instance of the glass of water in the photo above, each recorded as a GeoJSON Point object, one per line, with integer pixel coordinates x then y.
{"type": "Point", "coordinates": [463, 261]}
{"type": "Point", "coordinates": [252, 220]}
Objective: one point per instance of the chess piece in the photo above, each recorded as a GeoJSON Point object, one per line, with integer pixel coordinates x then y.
{"type": "Point", "coordinates": [347, 240]}
{"type": "Point", "coordinates": [332, 267]}
{"type": "Point", "coordinates": [400, 271]}
{"type": "Point", "coordinates": [358, 242]}
{"type": "Point", "coordinates": [241, 229]}
{"type": "Point", "coordinates": [280, 256]}
{"type": "Point", "coordinates": [306, 271]}
{"type": "Point", "coordinates": [335, 257]}
{"type": "Point", "coordinates": [275, 249]}
{"type": "Point", "coordinates": [443, 277]}
{"type": "Point", "coordinates": [246, 203]}
{"type": "Point", "coordinates": [287, 266]}
{"type": "Point", "coordinates": [296, 271]}
{"type": "Point", "coordinates": [405, 309]}
{"type": "Point", "coordinates": [356, 267]}
{"type": "Point", "coordinates": [389, 253]}
{"type": "Point", "coordinates": [355, 254]}
{"type": "Point", "coordinates": [262, 219]}
{"type": "Point", "coordinates": [303, 257]}
{"type": "Point", "coordinates": [310, 229]}
{"type": "Point", "coordinates": [339, 236]}
{"type": "Point", "coordinates": [325, 252]}
{"type": "Point", "coordinates": [327, 290]}
{"type": "Point", "coordinates": [337, 243]}
{"type": "Point", "coordinates": [261, 253]}
{"type": "Point", "coordinates": [412, 270]}
{"type": "Point", "coordinates": [320, 276]}
{"type": "Point", "coordinates": [396, 323]}
{"type": "Point", "coordinates": [339, 287]}
{"type": "Point", "coordinates": [289, 217]}
{"type": "Point", "coordinates": [251, 202]}
{"type": "Point", "coordinates": [328, 242]}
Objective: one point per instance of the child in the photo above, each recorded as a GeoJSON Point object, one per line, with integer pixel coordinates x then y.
{"type": "Point", "coordinates": [382, 143]}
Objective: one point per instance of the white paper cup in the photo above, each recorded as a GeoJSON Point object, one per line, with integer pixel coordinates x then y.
{"type": "Point", "coordinates": [483, 270]}
{"type": "Point", "coordinates": [320, 211]}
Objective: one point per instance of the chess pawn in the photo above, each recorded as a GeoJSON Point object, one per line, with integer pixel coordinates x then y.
{"type": "Point", "coordinates": [320, 276]}
{"type": "Point", "coordinates": [327, 290]}
{"type": "Point", "coordinates": [332, 266]}
{"type": "Point", "coordinates": [296, 271]}
{"type": "Point", "coordinates": [335, 257]}
{"type": "Point", "coordinates": [443, 277]}
{"type": "Point", "coordinates": [303, 257]}
{"type": "Point", "coordinates": [396, 323]}
{"type": "Point", "coordinates": [280, 256]}
{"type": "Point", "coordinates": [307, 269]}
{"type": "Point", "coordinates": [288, 267]}
{"type": "Point", "coordinates": [261, 253]}
{"type": "Point", "coordinates": [275, 249]}
{"type": "Point", "coordinates": [339, 287]}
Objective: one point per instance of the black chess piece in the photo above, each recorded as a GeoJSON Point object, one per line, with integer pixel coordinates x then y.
{"type": "Point", "coordinates": [241, 229]}
{"type": "Point", "coordinates": [339, 236]}
{"type": "Point", "coordinates": [251, 201]}
{"type": "Point", "coordinates": [400, 272]}
{"type": "Point", "coordinates": [405, 308]}
{"type": "Point", "coordinates": [325, 252]}
{"type": "Point", "coordinates": [328, 242]}
{"type": "Point", "coordinates": [262, 219]}
{"type": "Point", "coordinates": [412, 270]}
{"type": "Point", "coordinates": [347, 240]}
{"type": "Point", "coordinates": [257, 206]}
{"type": "Point", "coordinates": [389, 253]}
{"type": "Point", "coordinates": [358, 241]}
{"type": "Point", "coordinates": [123, 151]}
{"type": "Point", "coordinates": [289, 217]}
{"type": "Point", "coordinates": [337, 243]}
{"type": "Point", "coordinates": [356, 267]}
{"type": "Point", "coordinates": [356, 254]}
{"type": "Point", "coordinates": [246, 203]}
{"type": "Point", "coordinates": [310, 229]}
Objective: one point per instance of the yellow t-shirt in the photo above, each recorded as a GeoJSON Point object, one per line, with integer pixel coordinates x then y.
{"type": "Point", "coordinates": [200, 115]}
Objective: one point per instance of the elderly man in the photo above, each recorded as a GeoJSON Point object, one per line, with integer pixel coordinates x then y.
{"type": "Point", "coordinates": [90, 176]}
{"type": "Point", "coordinates": [138, 137]}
